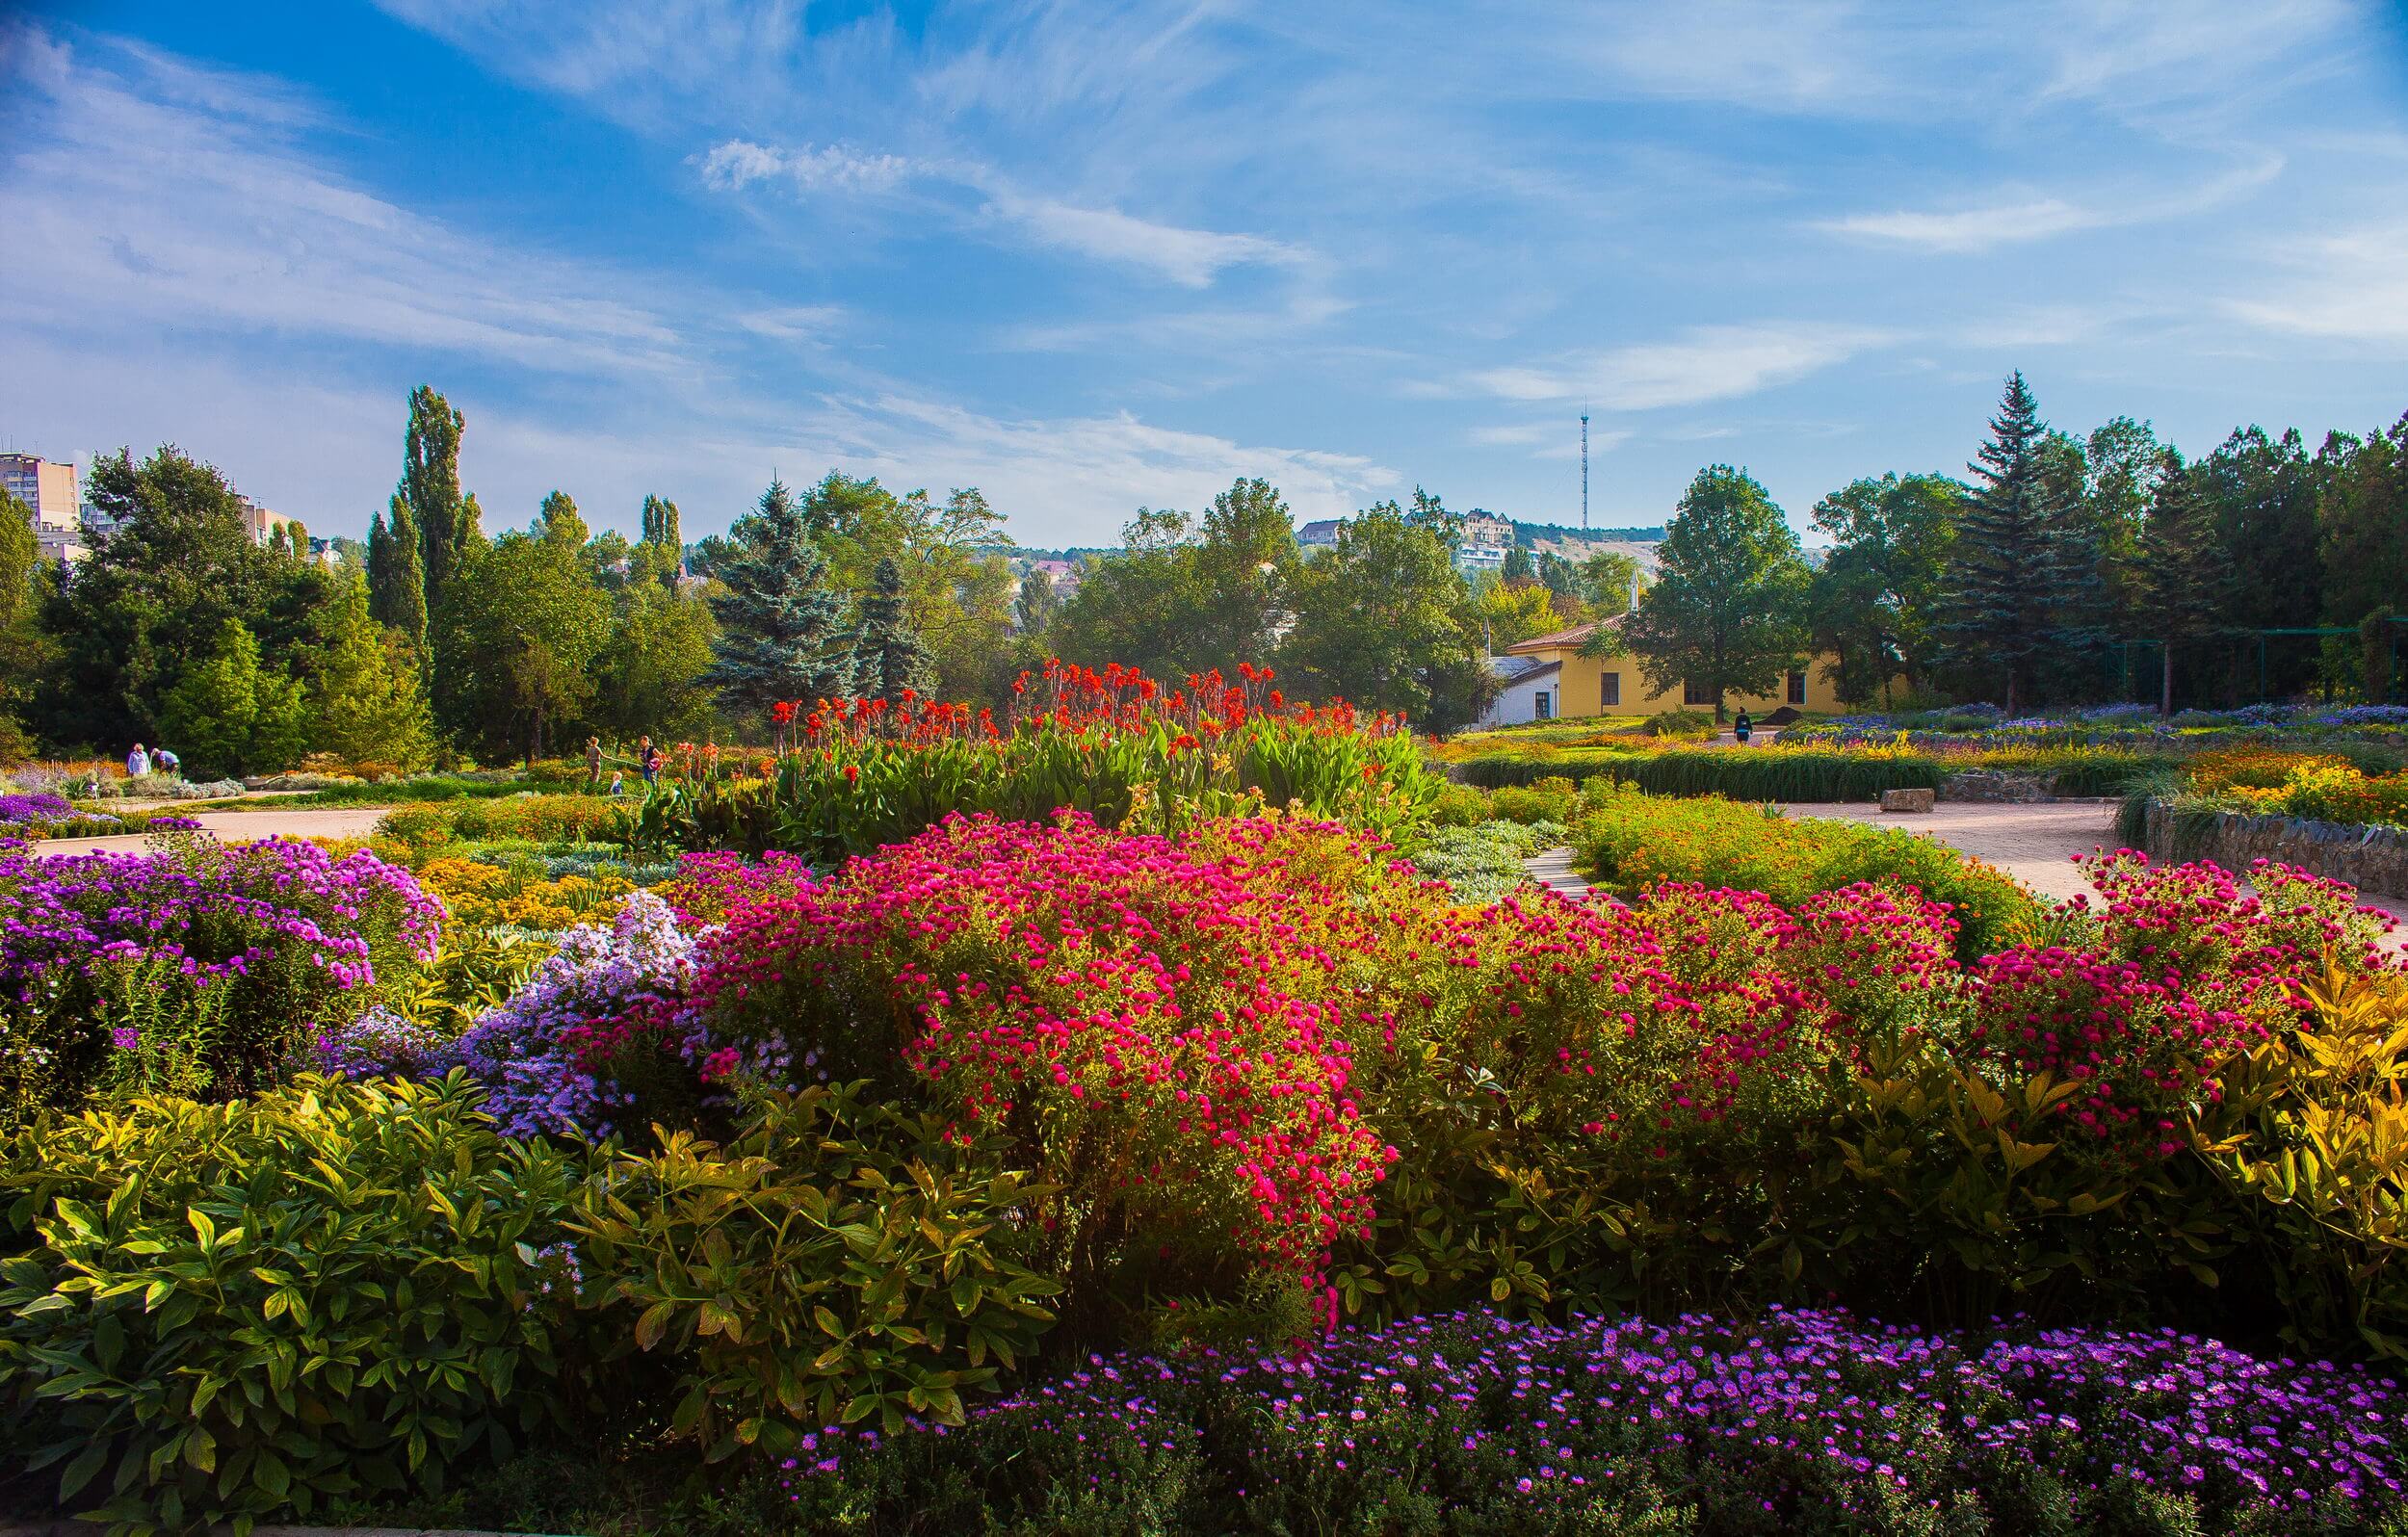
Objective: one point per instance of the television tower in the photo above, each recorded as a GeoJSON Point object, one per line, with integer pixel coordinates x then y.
{"type": "Point", "coordinates": [1584, 472]}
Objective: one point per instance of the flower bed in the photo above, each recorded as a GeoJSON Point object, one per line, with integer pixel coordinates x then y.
{"type": "Point", "coordinates": [1799, 1421]}
{"type": "Point", "coordinates": [859, 775]}
{"type": "Point", "coordinates": [1008, 1093]}
{"type": "Point", "coordinates": [198, 971]}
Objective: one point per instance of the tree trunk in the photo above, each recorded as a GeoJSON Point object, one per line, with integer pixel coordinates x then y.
{"type": "Point", "coordinates": [2166, 678]}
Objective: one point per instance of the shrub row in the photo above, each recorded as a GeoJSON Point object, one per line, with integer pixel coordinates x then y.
{"type": "Point", "coordinates": [1750, 774]}
{"type": "Point", "coordinates": [1627, 842]}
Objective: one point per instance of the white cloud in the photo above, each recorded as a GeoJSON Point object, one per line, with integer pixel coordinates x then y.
{"type": "Point", "coordinates": [1190, 257]}
{"type": "Point", "coordinates": [1983, 227]}
{"type": "Point", "coordinates": [792, 322]}
{"type": "Point", "coordinates": [2352, 286]}
{"type": "Point", "coordinates": [1706, 363]}
{"type": "Point", "coordinates": [1080, 478]}
{"type": "Point", "coordinates": [156, 198]}
{"type": "Point", "coordinates": [739, 163]}
{"type": "Point", "coordinates": [1969, 229]}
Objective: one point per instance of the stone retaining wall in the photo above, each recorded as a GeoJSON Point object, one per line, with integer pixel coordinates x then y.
{"type": "Point", "coordinates": [1985, 786]}
{"type": "Point", "coordinates": [2372, 859]}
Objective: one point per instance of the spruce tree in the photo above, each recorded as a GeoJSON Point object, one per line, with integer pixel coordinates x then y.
{"type": "Point", "coordinates": [782, 633]}
{"type": "Point", "coordinates": [1996, 612]}
{"type": "Point", "coordinates": [891, 655]}
{"type": "Point", "coordinates": [2187, 583]}
{"type": "Point", "coordinates": [396, 583]}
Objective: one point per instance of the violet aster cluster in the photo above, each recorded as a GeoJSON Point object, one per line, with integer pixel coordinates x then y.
{"type": "Point", "coordinates": [34, 809]}
{"type": "Point", "coordinates": [1800, 1421]}
{"type": "Point", "coordinates": [288, 927]}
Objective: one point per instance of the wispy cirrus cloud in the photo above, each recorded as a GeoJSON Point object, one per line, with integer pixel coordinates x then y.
{"type": "Point", "coordinates": [1192, 258]}
{"type": "Point", "coordinates": [1704, 363]}
{"type": "Point", "coordinates": [2349, 286]}
{"type": "Point", "coordinates": [2017, 219]}
{"type": "Point", "coordinates": [152, 193]}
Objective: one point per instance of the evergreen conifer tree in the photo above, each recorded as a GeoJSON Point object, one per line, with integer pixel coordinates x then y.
{"type": "Point", "coordinates": [396, 583]}
{"type": "Point", "coordinates": [2186, 582]}
{"type": "Point", "coordinates": [891, 655]}
{"type": "Point", "coordinates": [782, 633]}
{"type": "Point", "coordinates": [1996, 612]}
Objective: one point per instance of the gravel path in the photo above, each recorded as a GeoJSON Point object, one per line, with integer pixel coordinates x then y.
{"type": "Point", "coordinates": [240, 828]}
{"type": "Point", "coordinates": [2036, 844]}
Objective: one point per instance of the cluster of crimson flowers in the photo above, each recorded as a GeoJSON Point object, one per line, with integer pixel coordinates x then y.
{"type": "Point", "coordinates": [1067, 696]}
{"type": "Point", "coordinates": [1221, 1022]}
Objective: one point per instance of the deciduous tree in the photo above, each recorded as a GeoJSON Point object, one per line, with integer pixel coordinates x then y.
{"type": "Point", "coordinates": [1727, 613]}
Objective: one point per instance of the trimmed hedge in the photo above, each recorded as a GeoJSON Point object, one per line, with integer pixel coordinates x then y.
{"type": "Point", "coordinates": [1733, 774]}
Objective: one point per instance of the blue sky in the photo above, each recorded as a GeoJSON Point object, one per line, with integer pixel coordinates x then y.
{"type": "Point", "coordinates": [1088, 257]}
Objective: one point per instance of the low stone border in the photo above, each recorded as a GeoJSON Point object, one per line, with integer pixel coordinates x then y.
{"type": "Point", "coordinates": [1989, 786]}
{"type": "Point", "coordinates": [2372, 859]}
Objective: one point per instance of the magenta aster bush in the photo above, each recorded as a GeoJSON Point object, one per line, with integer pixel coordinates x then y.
{"type": "Point", "coordinates": [1153, 1020]}
{"type": "Point", "coordinates": [294, 938]}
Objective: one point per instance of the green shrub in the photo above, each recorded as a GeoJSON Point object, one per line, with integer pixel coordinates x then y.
{"type": "Point", "coordinates": [1552, 798]}
{"type": "Point", "coordinates": [838, 1259]}
{"type": "Point", "coordinates": [219, 1313]}
{"type": "Point", "coordinates": [1754, 774]}
{"type": "Point", "coordinates": [1687, 725]}
{"type": "Point", "coordinates": [1632, 839]}
{"type": "Point", "coordinates": [1460, 806]}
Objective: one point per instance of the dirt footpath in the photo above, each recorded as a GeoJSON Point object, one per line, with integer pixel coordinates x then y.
{"type": "Point", "coordinates": [2036, 844]}
{"type": "Point", "coordinates": [239, 827]}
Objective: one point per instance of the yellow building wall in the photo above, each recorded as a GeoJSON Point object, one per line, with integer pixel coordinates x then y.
{"type": "Point", "coordinates": [1580, 689]}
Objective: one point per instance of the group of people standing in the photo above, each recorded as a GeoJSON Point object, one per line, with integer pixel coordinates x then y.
{"type": "Point", "coordinates": [647, 763]}
{"type": "Point", "coordinates": [142, 761]}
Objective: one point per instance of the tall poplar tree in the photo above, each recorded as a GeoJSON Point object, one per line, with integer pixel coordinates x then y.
{"type": "Point", "coordinates": [891, 654]}
{"type": "Point", "coordinates": [397, 575]}
{"type": "Point", "coordinates": [446, 518]}
{"type": "Point", "coordinates": [660, 525]}
{"type": "Point", "coordinates": [783, 631]}
{"type": "Point", "coordinates": [1996, 612]}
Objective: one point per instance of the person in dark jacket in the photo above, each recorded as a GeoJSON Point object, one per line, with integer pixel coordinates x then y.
{"type": "Point", "coordinates": [1743, 728]}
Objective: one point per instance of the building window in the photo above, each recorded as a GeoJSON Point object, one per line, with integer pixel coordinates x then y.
{"type": "Point", "coordinates": [1546, 706]}
{"type": "Point", "coordinates": [1614, 690]}
{"type": "Point", "coordinates": [1696, 694]}
{"type": "Point", "coordinates": [1797, 687]}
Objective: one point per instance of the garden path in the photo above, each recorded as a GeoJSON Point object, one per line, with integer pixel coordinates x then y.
{"type": "Point", "coordinates": [238, 827]}
{"type": "Point", "coordinates": [2036, 843]}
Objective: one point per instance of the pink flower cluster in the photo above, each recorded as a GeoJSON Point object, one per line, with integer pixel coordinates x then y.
{"type": "Point", "coordinates": [1157, 1016]}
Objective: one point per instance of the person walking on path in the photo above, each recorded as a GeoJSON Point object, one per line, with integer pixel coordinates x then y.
{"type": "Point", "coordinates": [137, 763]}
{"type": "Point", "coordinates": [1743, 728]}
{"type": "Point", "coordinates": [593, 762]}
{"type": "Point", "coordinates": [648, 760]}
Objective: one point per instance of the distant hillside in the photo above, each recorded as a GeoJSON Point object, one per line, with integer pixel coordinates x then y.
{"type": "Point", "coordinates": [1534, 534]}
